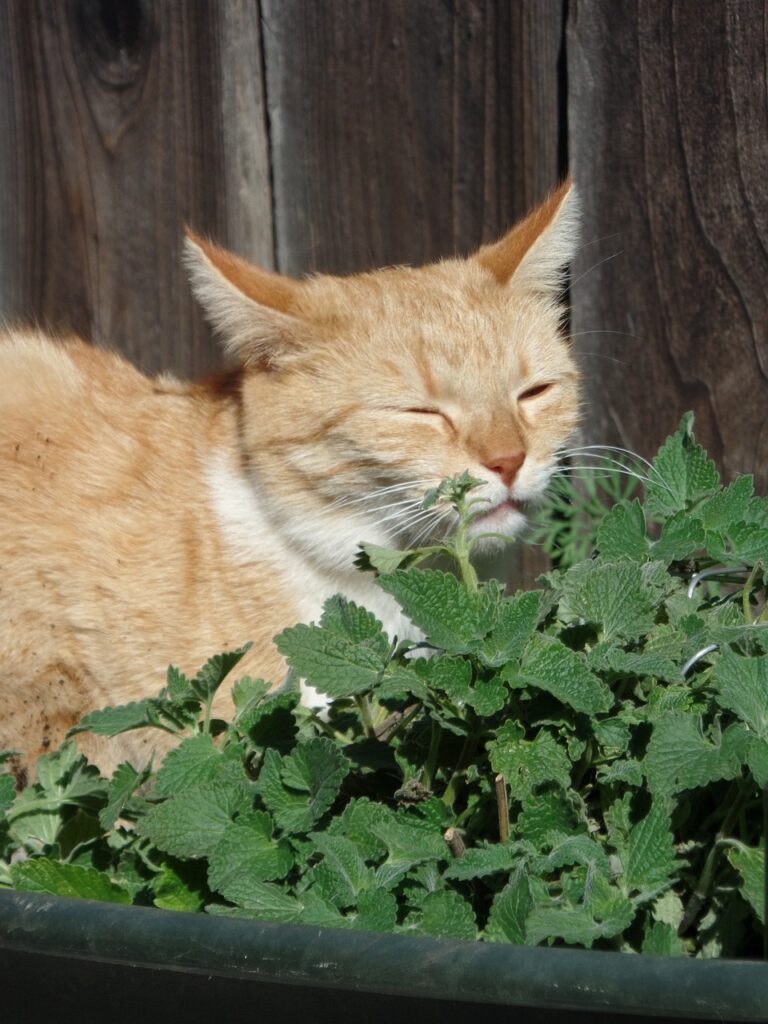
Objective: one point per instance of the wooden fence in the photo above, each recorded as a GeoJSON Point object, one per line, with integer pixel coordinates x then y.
{"type": "Point", "coordinates": [343, 134]}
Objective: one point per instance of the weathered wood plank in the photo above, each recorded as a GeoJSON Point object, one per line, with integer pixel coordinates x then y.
{"type": "Point", "coordinates": [408, 130]}
{"type": "Point", "coordinates": [669, 146]}
{"type": "Point", "coordinates": [112, 141]}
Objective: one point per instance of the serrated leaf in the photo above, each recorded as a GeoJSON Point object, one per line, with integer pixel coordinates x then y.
{"type": "Point", "coordinates": [613, 598]}
{"type": "Point", "coordinates": [331, 663]}
{"type": "Point", "coordinates": [191, 823]}
{"type": "Point", "coordinates": [347, 619]}
{"type": "Point", "coordinates": [566, 850]}
{"type": "Point", "coordinates": [750, 864]}
{"type": "Point", "coordinates": [509, 912]}
{"type": "Point", "coordinates": [407, 845]}
{"type": "Point", "coordinates": [606, 912]}
{"type": "Point", "coordinates": [270, 902]}
{"type": "Point", "coordinates": [177, 684]}
{"type": "Point", "coordinates": [451, 617]}
{"type": "Point", "coordinates": [299, 789]}
{"type": "Point", "coordinates": [247, 692]}
{"type": "Point", "coordinates": [544, 812]}
{"type": "Point", "coordinates": [357, 821]}
{"type": "Point", "coordinates": [179, 885]}
{"type": "Point", "coordinates": [549, 665]}
{"type": "Point", "coordinates": [526, 764]}
{"type": "Point", "coordinates": [742, 687]}
{"type": "Point", "coordinates": [636, 663]}
{"type": "Point", "coordinates": [626, 770]}
{"type": "Point", "coordinates": [216, 669]}
{"type": "Point", "coordinates": [247, 853]}
{"type": "Point", "coordinates": [681, 473]}
{"type": "Point", "coordinates": [488, 696]}
{"type": "Point", "coordinates": [622, 532]}
{"type": "Point", "coordinates": [516, 620]}
{"type": "Point", "coordinates": [451, 675]}
{"type": "Point", "coordinates": [380, 559]}
{"type": "Point", "coordinates": [376, 911]}
{"type": "Point", "coordinates": [7, 792]}
{"type": "Point", "coordinates": [681, 536]}
{"type": "Point", "coordinates": [479, 861]}
{"type": "Point", "coordinates": [125, 781]}
{"type": "Point", "coordinates": [194, 761]}
{"type": "Point", "coordinates": [650, 859]}
{"type": "Point", "coordinates": [41, 874]}
{"type": "Point", "coordinates": [661, 939]}
{"type": "Point", "coordinates": [342, 874]}
{"type": "Point", "coordinates": [728, 506]}
{"type": "Point", "coordinates": [679, 756]}
{"type": "Point", "coordinates": [445, 914]}
{"type": "Point", "coordinates": [112, 721]}
{"type": "Point", "coordinates": [742, 542]}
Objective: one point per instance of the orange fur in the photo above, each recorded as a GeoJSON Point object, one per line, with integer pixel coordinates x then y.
{"type": "Point", "coordinates": [147, 521]}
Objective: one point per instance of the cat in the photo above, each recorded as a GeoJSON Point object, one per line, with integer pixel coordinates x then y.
{"type": "Point", "coordinates": [148, 521]}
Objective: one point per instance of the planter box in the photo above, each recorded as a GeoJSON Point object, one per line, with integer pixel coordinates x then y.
{"type": "Point", "coordinates": [94, 962]}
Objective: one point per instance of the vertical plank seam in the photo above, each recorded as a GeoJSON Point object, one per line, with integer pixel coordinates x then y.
{"type": "Point", "coordinates": [268, 128]}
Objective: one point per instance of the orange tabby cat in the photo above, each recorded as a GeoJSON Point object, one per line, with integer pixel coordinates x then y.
{"type": "Point", "coordinates": [147, 521]}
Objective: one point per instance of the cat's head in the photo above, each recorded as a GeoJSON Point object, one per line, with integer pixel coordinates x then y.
{"type": "Point", "coordinates": [359, 393]}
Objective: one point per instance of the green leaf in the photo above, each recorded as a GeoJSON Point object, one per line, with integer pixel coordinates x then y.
{"type": "Point", "coordinates": [622, 534]}
{"type": "Point", "coordinates": [179, 885]}
{"type": "Point", "coordinates": [545, 812]}
{"type": "Point", "coordinates": [177, 684]}
{"type": "Point", "coordinates": [407, 845]}
{"type": "Point", "coordinates": [509, 912]}
{"type": "Point", "coordinates": [348, 620]}
{"type": "Point", "coordinates": [605, 913]}
{"type": "Point", "coordinates": [125, 781]}
{"type": "Point", "coordinates": [192, 822]}
{"type": "Point", "coordinates": [650, 860]}
{"type": "Point", "coordinates": [194, 761]}
{"type": "Point", "coordinates": [479, 861]}
{"type": "Point", "coordinates": [679, 756]}
{"type": "Point", "coordinates": [549, 665]}
{"type": "Point", "coordinates": [516, 620]}
{"type": "Point", "coordinates": [681, 536]}
{"type": "Point", "coordinates": [7, 792]}
{"type": "Point", "coordinates": [612, 598]}
{"type": "Point", "coordinates": [216, 669]}
{"type": "Point", "coordinates": [342, 874]}
{"type": "Point", "coordinates": [566, 850]}
{"type": "Point", "coordinates": [122, 718]}
{"type": "Point", "coordinates": [451, 617]}
{"type": "Point", "coordinates": [528, 763]}
{"type": "Point", "coordinates": [661, 939]}
{"type": "Point", "coordinates": [270, 902]}
{"type": "Point", "coordinates": [376, 911]}
{"type": "Point", "coordinates": [742, 687]}
{"type": "Point", "coordinates": [300, 788]}
{"type": "Point", "coordinates": [382, 560]}
{"type": "Point", "coordinates": [41, 874]}
{"type": "Point", "coordinates": [488, 696]}
{"type": "Point", "coordinates": [681, 474]}
{"type": "Point", "coordinates": [750, 864]}
{"type": "Point", "coordinates": [333, 664]}
{"type": "Point", "coordinates": [247, 853]}
{"type": "Point", "coordinates": [727, 506]}
{"type": "Point", "coordinates": [445, 914]}
{"type": "Point", "coordinates": [356, 822]}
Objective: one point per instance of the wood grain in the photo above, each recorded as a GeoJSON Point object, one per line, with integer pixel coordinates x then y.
{"type": "Point", "coordinates": [668, 141]}
{"type": "Point", "coordinates": [109, 116]}
{"type": "Point", "coordinates": [407, 130]}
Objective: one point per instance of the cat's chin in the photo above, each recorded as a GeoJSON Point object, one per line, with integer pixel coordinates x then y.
{"type": "Point", "coordinates": [503, 522]}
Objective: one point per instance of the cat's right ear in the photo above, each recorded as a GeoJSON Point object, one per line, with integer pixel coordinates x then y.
{"type": "Point", "coordinates": [250, 308]}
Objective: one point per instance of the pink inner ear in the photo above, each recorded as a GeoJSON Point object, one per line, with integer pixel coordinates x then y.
{"type": "Point", "coordinates": [277, 291]}
{"type": "Point", "coordinates": [503, 258]}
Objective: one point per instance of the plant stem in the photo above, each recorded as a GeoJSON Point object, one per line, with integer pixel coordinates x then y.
{"type": "Point", "coordinates": [365, 713]}
{"type": "Point", "coordinates": [451, 790]}
{"type": "Point", "coordinates": [502, 803]}
{"type": "Point", "coordinates": [428, 776]}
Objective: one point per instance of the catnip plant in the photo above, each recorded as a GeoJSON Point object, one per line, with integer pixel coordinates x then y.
{"type": "Point", "coordinates": [579, 764]}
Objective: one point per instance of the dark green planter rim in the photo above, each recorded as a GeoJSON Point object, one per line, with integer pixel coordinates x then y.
{"type": "Point", "coordinates": [435, 969]}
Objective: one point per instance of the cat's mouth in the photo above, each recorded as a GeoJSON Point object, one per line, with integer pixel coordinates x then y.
{"type": "Point", "coordinates": [500, 510]}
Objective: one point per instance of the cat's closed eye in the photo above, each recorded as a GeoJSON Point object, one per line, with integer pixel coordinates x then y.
{"type": "Point", "coordinates": [428, 411]}
{"type": "Point", "coordinates": [535, 391]}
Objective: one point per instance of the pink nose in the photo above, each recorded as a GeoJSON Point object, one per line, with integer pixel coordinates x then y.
{"type": "Point", "coordinates": [507, 466]}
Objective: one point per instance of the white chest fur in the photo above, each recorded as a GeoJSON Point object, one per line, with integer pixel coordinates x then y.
{"type": "Point", "coordinates": [252, 538]}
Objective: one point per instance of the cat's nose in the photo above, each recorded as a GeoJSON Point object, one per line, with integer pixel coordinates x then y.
{"type": "Point", "coordinates": [507, 466]}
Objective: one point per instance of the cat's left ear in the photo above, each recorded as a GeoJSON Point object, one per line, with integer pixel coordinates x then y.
{"type": "Point", "coordinates": [536, 251]}
{"type": "Point", "coordinates": [252, 309]}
